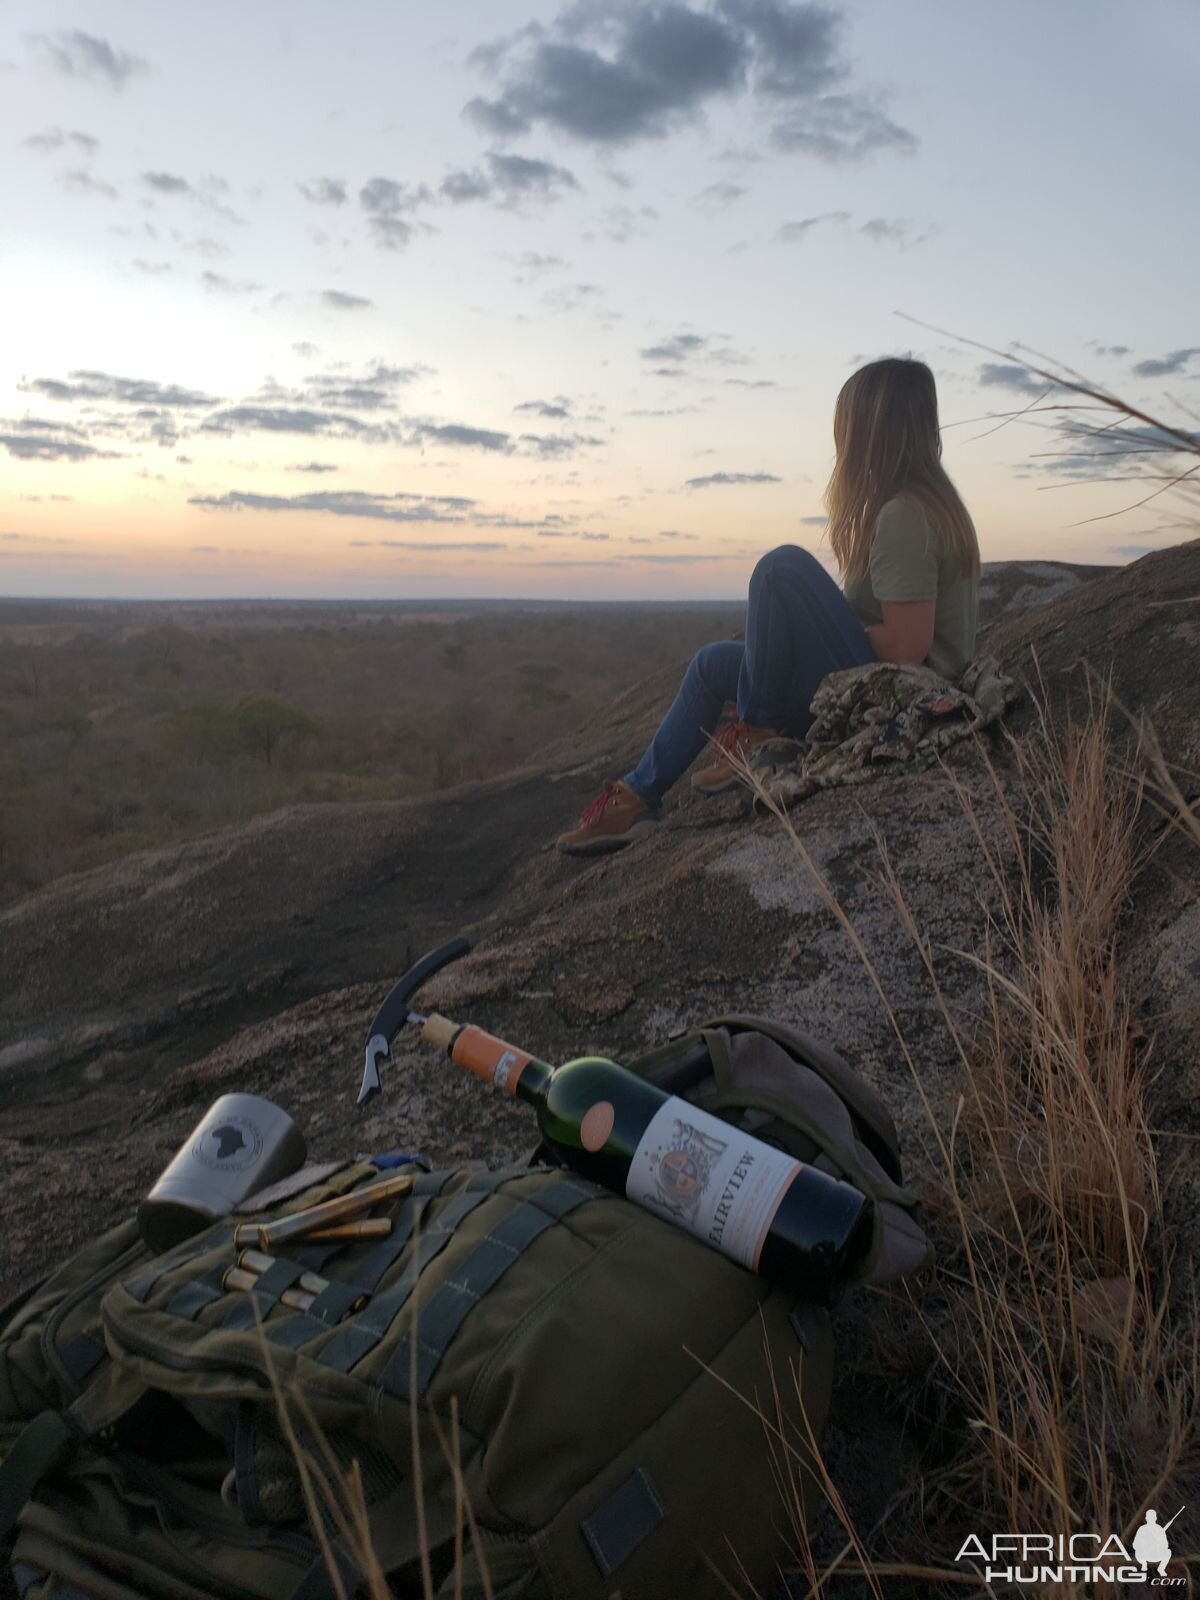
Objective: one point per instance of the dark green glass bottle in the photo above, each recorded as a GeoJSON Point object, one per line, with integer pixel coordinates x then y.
{"type": "Point", "coordinates": [758, 1205]}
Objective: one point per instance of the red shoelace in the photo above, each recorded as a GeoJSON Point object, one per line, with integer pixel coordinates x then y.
{"type": "Point", "coordinates": [595, 810]}
{"type": "Point", "coordinates": [728, 738]}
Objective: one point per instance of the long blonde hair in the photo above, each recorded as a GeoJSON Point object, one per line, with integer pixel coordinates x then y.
{"type": "Point", "coordinates": [888, 442]}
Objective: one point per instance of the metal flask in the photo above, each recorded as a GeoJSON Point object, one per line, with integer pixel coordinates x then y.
{"type": "Point", "coordinates": [242, 1144]}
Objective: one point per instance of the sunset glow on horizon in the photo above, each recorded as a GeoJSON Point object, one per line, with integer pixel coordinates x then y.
{"type": "Point", "coordinates": [554, 300]}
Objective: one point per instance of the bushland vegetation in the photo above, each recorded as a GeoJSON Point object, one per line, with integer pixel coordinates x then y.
{"type": "Point", "coordinates": [127, 725]}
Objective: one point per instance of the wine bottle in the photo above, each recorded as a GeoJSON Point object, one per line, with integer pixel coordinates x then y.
{"type": "Point", "coordinates": [756, 1204]}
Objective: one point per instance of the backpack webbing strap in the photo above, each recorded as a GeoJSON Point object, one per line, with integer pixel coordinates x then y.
{"type": "Point", "coordinates": [188, 1302]}
{"type": "Point", "coordinates": [42, 1445]}
{"type": "Point", "coordinates": [141, 1286]}
{"type": "Point", "coordinates": [358, 1337]}
{"type": "Point", "coordinates": [449, 1307]}
{"type": "Point", "coordinates": [619, 1524]}
{"type": "Point", "coordinates": [363, 1277]}
{"type": "Point", "coordinates": [247, 1309]}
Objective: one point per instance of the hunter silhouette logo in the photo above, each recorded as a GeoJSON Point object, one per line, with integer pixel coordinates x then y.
{"type": "Point", "coordinates": [1150, 1545]}
{"type": "Point", "coordinates": [231, 1145]}
{"type": "Point", "coordinates": [1088, 1558]}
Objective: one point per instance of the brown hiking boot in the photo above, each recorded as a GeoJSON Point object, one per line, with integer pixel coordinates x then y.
{"type": "Point", "coordinates": [609, 822]}
{"type": "Point", "coordinates": [735, 740]}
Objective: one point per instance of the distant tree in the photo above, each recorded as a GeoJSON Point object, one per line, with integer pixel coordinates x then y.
{"type": "Point", "coordinates": [203, 732]}
{"type": "Point", "coordinates": [264, 719]}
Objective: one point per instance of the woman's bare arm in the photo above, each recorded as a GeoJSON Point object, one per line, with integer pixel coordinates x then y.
{"type": "Point", "coordinates": [906, 632]}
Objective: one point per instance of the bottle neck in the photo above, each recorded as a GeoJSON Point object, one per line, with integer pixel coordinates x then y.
{"type": "Point", "coordinates": [500, 1064]}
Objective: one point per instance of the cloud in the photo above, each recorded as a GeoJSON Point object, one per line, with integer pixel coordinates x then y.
{"type": "Point", "coordinates": [543, 408]}
{"type": "Point", "coordinates": [751, 383]}
{"type": "Point", "coordinates": [522, 178]}
{"type": "Point", "coordinates": [82, 55]}
{"type": "Point", "coordinates": [609, 74]}
{"type": "Point", "coordinates": [665, 411]}
{"type": "Point", "coordinates": [210, 249]}
{"type": "Point", "coordinates": [570, 296]}
{"type": "Point", "coordinates": [553, 446]}
{"type": "Point", "coordinates": [346, 503]}
{"type": "Point", "coordinates": [324, 191]}
{"type": "Point", "coordinates": [731, 477]}
{"type": "Point", "coordinates": [283, 419]}
{"type": "Point", "coordinates": [306, 349]}
{"type": "Point", "coordinates": [897, 231]}
{"type": "Point", "coordinates": [454, 510]}
{"type": "Point", "coordinates": [80, 182]}
{"type": "Point", "coordinates": [678, 348]}
{"type": "Point", "coordinates": [469, 438]}
{"type": "Point", "coordinates": [814, 522]}
{"type": "Point", "coordinates": [207, 194]}
{"type": "Point", "coordinates": [426, 547]}
{"type": "Point", "coordinates": [673, 560]}
{"type": "Point", "coordinates": [687, 347]}
{"type": "Point", "coordinates": [674, 533]}
{"type": "Point", "coordinates": [509, 181]}
{"type": "Point", "coordinates": [532, 265]}
{"type": "Point", "coordinates": [841, 128]}
{"type": "Point", "coordinates": [314, 466]}
{"type": "Point", "coordinates": [373, 390]}
{"type": "Point", "coordinates": [56, 138]}
{"type": "Point", "coordinates": [37, 439]}
{"type": "Point", "coordinates": [1112, 349]}
{"type": "Point", "coordinates": [85, 385]}
{"type": "Point", "coordinates": [1113, 453]}
{"type": "Point", "coordinates": [341, 301]}
{"type": "Point", "coordinates": [167, 183]}
{"type": "Point", "coordinates": [1165, 365]}
{"type": "Point", "coordinates": [217, 282]}
{"type": "Point", "coordinates": [153, 269]}
{"type": "Point", "coordinates": [994, 375]}
{"type": "Point", "coordinates": [619, 224]}
{"type": "Point", "coordinates": [719, 196]}
{"type": "Point", "coordinates": [794, 232]}
{"type": "Point", "coordinates": [205, 549]}
{"type": "Point", "coordinates": [667, 62]}
{"type": "Point", "coordinates": [459, 187]}
{"type": "Point", "coordinates": [388, 205]}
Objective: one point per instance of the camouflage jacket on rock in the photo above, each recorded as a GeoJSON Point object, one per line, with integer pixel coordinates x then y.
{"type": "Point", "coordinates": [886, 717]}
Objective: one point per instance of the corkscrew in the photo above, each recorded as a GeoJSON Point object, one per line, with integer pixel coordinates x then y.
{"type": "Point", "coordinates": [395, 1013]}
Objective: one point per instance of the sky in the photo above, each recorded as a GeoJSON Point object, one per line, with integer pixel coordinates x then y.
{"type": "Point", "coordinates": [512, 298]}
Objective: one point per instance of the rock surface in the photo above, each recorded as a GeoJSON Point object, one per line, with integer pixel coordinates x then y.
{"type": "Point", "coordinates": [254, 958]}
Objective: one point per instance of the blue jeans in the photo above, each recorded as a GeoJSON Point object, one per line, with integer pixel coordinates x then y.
{"type": "Point", "coordinates": [799, 628]}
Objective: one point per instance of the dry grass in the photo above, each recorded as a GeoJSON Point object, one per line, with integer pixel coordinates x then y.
{"type": "Point", "coordinates": [1064, 1346]}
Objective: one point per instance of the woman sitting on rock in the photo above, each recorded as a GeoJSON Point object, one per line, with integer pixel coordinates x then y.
{"type": "Point", "coordinates": [907, 550]}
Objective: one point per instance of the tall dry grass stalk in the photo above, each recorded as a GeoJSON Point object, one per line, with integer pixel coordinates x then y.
{"type": "Point", "coordinates": [1064, 1346]}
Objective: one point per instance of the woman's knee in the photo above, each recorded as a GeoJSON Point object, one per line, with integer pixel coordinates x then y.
{"type": "Point", "coordinates": [789, 558]}
{"type": "Point", "coordinates": [715, 667]}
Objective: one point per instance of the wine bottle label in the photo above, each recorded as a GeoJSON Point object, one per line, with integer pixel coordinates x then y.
{"type": "Point", "coordinates": [706, 1176]}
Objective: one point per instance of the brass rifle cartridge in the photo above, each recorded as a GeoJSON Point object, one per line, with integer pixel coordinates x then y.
{"type": "Point", "coordinates": [239, 1278]}
{"type": "Point", "coordinates": [372, 1228]}
{"type": "Point", "coordinates": [254, 1261]}
{"type": "Point", "coordinates": [310, 1284]}
{"type": "Point", "coordinates": [265, 1235]}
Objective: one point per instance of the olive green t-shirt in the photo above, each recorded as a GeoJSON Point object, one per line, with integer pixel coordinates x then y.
{"type": "Point", "coordinates": [908, 563]}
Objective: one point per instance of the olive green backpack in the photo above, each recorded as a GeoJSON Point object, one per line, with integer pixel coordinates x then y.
{"type": "Point", "coordinates": [545, 1391]}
